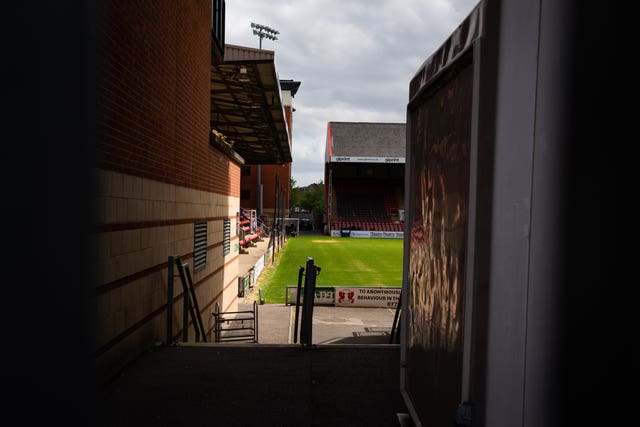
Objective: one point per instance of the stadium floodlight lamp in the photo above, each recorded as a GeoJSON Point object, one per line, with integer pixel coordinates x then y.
{"type": "Point", "coordinates": [263, 31]}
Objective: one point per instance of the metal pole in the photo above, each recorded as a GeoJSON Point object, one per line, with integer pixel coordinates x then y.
{"type": "Point", "coordinates": [185, 315]}
{"type": "Point", "coordinates": [282, 215]}
{"type": "Point", "coordinates": [274, 229]}
{"type": "Point", "coordinates": [295, 327]}
{"type": "Point", "coordinates": [307, 303]}
{"type": "Point", "coordinates": [216, 315]}
{"type": "Point", "coordinates": [394, 327]}
{"type": "Point", "coordinates": [276, 206]}
{"type": "Point", "coordinates": [197, 322]}
{"type": "Point", "coordinates": [169, 339]}
{"type": "Point", "coordinates": [256, 323]}
{"type": "Point", "coordinates": [259, 195]}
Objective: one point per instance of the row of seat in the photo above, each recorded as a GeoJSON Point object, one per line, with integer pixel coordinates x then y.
{"type": "Point", "coordinates": [367, 206]}
{"type": "Point", "coordinates": [340, 223]}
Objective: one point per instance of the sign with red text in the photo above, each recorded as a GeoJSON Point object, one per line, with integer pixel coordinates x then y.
{"type": "Point", "coordinates": [380, 296]}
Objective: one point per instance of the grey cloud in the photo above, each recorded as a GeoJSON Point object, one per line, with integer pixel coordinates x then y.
{"type": "Point", "coordinates": [355, 59]}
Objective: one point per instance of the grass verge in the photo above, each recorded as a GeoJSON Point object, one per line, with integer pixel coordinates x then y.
{"type": "Point", "coordinates": [343, 262]}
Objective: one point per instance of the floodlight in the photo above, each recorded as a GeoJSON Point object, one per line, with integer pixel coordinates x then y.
{"type": "Point", "coordinates": [264, 31]}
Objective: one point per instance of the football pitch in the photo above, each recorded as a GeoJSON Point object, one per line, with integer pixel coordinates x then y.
{"type": "Point", "coordinates": [344, 261]}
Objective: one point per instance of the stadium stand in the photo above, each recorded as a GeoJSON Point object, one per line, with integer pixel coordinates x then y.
{"type": "Point", "coordinates": [364, 172]}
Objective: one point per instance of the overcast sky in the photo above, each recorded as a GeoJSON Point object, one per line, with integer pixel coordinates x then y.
{"type": "Point", "coordinates": [354, 59]}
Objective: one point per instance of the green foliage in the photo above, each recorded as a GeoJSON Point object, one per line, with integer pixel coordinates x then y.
{"type": "Point", "coordinates": [295, 197]}
{"type": "Point", "coordinates": [343, 261]}
{"type": "Point", "coordinates": [313, 198]}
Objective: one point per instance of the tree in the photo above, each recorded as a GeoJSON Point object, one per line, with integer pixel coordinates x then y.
{"type": "Point", "coordinates": [312, 198]}
{"type": "Point", "coordinates": [294, 194]}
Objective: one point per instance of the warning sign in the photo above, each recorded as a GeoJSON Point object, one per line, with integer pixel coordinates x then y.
{"type": "Point", "coordinates": [367, 296]}
{"type": "Point", "coordinates": [344, 296]}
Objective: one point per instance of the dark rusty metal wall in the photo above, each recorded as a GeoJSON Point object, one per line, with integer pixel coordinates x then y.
{"type": "Point", "coordinates": [439, 141]}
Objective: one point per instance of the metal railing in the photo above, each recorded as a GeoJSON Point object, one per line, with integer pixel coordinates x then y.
{"type": "Point", "coordinates": [394, 338]}
{"type": "Point", "coordinates": [190, 302]}
{"type": "Point", "coordinates": [231, 326]}
{"type": "Point", "coordinates": [306, 323]}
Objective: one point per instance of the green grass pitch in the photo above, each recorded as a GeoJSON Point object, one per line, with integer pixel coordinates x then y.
{"type": "Point", "coordinates": [344, 261]}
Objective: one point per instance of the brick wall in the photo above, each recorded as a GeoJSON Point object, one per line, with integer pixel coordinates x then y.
{"type": "Point", "coordinates": [157, 174]}
{"type": "Point", "coordinates": [154, 94]}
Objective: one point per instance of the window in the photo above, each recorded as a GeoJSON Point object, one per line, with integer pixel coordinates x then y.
{"type": "Point", "coordinates": [199, 245]}
{"type": "Point", "coordinates": [218, 24]}
{"type": "Point", "coordinates": [246, 170]}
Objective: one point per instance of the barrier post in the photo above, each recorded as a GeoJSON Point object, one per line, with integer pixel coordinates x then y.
{"type": "Point", "coordinates": [295, 327]}
{"type": "Point", "coordinates": [169, 339]}
{"type": "Point", "coordinates": [216, 315]}
{"type": "Point", "coordinates": [307, 304]}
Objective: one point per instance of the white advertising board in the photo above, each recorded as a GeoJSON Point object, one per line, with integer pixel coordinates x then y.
{"type": "Point", "coordinates": [357, 159]}
{"type": "Point", "coordinates": [346, 296]}
{"type": "Point", "coordinates": [381, 296]}
{"type": "Point", "coordinates": [258, 267]}
{"type": "Point", "coordinates": [386, 234]}
{"type": "Point", "coordinates": [323, 295]}
{"type": "Point", "coordinates": [370, 234]}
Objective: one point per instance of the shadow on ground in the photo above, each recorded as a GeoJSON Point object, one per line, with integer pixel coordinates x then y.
{"type": "Point", "coordinates": [261, 385]}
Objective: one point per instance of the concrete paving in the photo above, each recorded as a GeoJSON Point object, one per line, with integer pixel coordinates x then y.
{"type": "Point", "coordinates": [256, 385]}
{"type": "Point", "coordinates": [253, 254]}
{"type": "Point", "coordinates": [352, 325]}
{"type": "Point", "coordinates": [331, 325]}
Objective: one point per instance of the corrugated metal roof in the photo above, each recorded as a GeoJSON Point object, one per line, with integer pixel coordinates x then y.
{"type": "Point", "coordinates": [243, 53]}
{"type": "Point", "coordinates": [290, 85]}
{"type": "Point", "coordinates": [368, 139]}
{"type": "Point", "coordinates": [246, 106]}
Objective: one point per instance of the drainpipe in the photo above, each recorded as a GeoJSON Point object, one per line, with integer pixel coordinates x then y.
{"type": "Point", "coordinates": [259, 195]}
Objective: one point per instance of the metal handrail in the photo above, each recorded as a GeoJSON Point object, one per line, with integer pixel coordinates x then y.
{"type": "Point", "coordinates": [221, 320]}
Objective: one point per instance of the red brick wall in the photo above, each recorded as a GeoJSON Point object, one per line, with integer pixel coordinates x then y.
{"type": "Point", "coordinates": [154, 94]}
{"type": "Point", "coordinates": [268, 175]}
{"type": "Point", "coordinates": [269, 184]}
{"type": "Point", "coordinates": [249, 182]}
